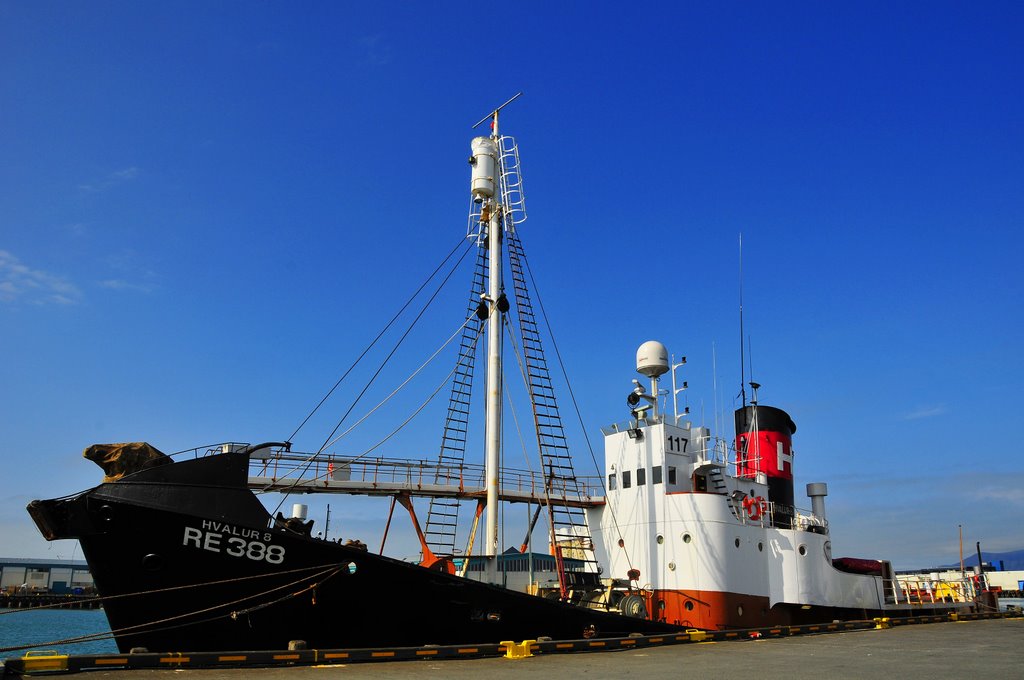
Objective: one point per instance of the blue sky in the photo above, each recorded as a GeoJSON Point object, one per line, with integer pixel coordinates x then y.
{"type": "Point", "coordinates": [208, 209]}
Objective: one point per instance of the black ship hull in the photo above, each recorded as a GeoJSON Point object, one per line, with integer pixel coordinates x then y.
{"type": "Point", "coordinates": [187, 559]}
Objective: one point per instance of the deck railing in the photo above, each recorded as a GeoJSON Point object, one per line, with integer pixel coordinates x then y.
{"type": "Point", "coordinates": [277, 464]}
{"type": "Point", "coordinates": [917, 590]}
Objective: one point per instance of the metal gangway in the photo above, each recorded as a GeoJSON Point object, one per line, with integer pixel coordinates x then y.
{"type": "Point", "coordinates": [284, 471]}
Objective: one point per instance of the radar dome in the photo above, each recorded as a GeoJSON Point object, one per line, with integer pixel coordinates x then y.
{"type": "Point", "coordinates": [652, 359]}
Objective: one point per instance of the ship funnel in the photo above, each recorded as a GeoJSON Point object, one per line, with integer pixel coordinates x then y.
{"type": "Point", "coordinates": [764, 444]}
{"type": "Point", "coordinates": [299, 510]}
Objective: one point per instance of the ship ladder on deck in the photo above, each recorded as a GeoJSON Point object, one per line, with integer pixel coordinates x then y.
{"type": "Point", "coordinates": [717, 477]}
{"type": "Point", "coordinates": [568, 524]}
{"type": "Point", "coordinates": [443, 515]}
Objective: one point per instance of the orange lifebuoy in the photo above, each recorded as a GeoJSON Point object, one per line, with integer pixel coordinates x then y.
{"type": "Point", "coordinates": [755, 507]}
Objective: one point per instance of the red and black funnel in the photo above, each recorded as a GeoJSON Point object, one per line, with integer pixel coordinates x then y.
{"type": "Point", "coordinates": [764, 444]}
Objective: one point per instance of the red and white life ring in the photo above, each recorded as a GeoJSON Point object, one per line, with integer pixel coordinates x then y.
{"type": "Point", "coordinates": [756, 507]}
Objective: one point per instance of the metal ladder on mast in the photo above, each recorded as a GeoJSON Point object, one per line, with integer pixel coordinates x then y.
{"type": "Point", "coordinates": [567, 523]}
{"type": "Point", "coordinates": [443, 515]}
{"type": "Point", "coordinates": [512, 197]}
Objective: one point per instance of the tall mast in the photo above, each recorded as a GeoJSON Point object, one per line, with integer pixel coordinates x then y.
{"type": "Point", "coordinates": [486, 187]}
{"type": "Point", "coordinates": [494, 364]}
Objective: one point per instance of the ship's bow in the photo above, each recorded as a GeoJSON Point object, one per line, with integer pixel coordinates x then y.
{"type": "Point", "coordinates": [60, 518]}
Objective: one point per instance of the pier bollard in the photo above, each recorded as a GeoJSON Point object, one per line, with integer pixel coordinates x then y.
{"type": "Point", "coordinates": [520, 651]}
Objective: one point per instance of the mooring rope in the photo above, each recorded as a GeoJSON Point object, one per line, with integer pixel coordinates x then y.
{"type": "Point", "coordinates": [325, 573]}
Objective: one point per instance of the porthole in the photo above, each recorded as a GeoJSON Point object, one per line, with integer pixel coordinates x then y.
{"type": "Point", "coordinates": [760, 547]}
{"type": "Point", "coordinates": [737, 542]}
{"type": "Point", "coordinates": [622, 543]}
{"type": "Point", "coordinates": [802, 550]}
{"type": "Point", "coordinates": [661, 539]}
{"type": "Point", "coordinates": [828, 550]}
{"type": "Point", "coordinates": [351, 567]}
{"type": "Point", "coordinates": [687, 538]}
{"type": "Point", "coordinates": [671, 566]}
{"type": "Point", "coordinates": [688, 606]}
{"type": "Point", "coordinates": [152, 562]}
{"type": "Point", "coordinates": [739, 610]}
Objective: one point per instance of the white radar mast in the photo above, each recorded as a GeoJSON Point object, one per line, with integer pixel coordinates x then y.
{"type": "Point", "coordinates": [651, 361]}
{"type": "Point", "coordinates": [485, 188]}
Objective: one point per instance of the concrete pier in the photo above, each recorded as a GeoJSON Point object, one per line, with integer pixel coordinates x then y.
{"type": "Point", "coordinates": [986, 648]}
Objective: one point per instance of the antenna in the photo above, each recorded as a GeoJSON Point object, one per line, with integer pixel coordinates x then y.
{"type": "Point", "coordinates": [750, 364]}
{"type": "Point", "coordinates": [676, 391]}
{"type": "Point", "coordinates": [743, 377]}
{"type": "Point", "coordinates": [494, 113]}
{"type": "Point", "coordinates": [714, 384]}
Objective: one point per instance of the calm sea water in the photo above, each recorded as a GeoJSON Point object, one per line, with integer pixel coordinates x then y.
{"type": "Point", "coordinates": [42, 626]}
{"type": "Point", "coordinates": [1017, 602]}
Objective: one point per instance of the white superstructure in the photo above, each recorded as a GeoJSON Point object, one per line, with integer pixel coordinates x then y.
{"type": "Point", "coordinates": [701, 537]}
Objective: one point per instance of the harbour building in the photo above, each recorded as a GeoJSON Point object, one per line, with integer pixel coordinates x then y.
{"type": "Point", "coordinates": [60, 577]}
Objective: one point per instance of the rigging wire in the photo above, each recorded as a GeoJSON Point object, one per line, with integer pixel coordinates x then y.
{"type": "Point", "coordinates": [400, 387]}
{"type": "Point", "coordinates": [615, 520]}
{"type": "Point", "coordinates": [380, 335]}
{"type": "Point", "coordinates": [394, 349]}
{"type": "Point", "coordinates": [508, 397]}
{"type": "Point", "coordinates": [102, 599]}
{"type": "Point", "coordinates": [522, 440]}
{"type": "Point", "coordinates": [301, 467]}
{"type": "Point", "coordinates": [397, 345]}
{"type": "Point", "coordinates": [572, 396]}
{"type": "Point", "coordinates": [561, 365]}
{"type": "Point", "coordinates": [327, 571]}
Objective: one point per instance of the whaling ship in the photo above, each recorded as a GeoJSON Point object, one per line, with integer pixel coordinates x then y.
{"type": "Point", "coordinates": [681, 530]}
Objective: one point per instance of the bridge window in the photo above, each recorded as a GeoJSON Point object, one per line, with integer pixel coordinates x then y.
{"type": "Point", "coordinates": [641, 477]}
{"type": "Point", "coordinates": [625, 479]}
{"type": "Point", "coordinates": [656, 474]}
{"type": "Point", "coordinates": [612, 482]}
{"type": "Point", "coordinates": [671, 475]}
